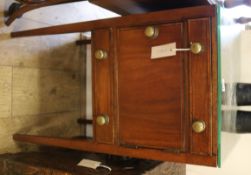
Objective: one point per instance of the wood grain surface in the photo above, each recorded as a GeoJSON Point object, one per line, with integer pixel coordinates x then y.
{"type": "Point", "coordinates": [151, 91]}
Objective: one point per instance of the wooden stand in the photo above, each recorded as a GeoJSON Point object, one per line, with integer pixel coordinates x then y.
{"type": "Point", "coordinates": [161, 109]}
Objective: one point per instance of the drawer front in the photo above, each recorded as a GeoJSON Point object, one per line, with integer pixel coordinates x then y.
{"type": "Point", "coordinates": [102, 58]}
{"type": "Point", "coordinates": [151, 91]}
{"type": "Point", "coordinates": [201, 86]}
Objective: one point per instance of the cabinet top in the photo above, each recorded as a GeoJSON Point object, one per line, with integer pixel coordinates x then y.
{"type": "Point", "coordinates": [140, 6]}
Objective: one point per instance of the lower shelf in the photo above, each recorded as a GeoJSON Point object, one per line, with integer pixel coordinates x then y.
{"type": "Point", "coordinates": [64, 162]}
{"type": "Point", "coordinates": [90, 146]}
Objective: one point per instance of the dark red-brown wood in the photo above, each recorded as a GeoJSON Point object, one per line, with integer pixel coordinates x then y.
{"type": "Point", "coordinates": [102, 85]}
{"type": "Point", "coordinates": [83, 145]}
{"type": "Point", "coordinates": [151, 91]}
{"type": "Point", "coordinates": [151, 103]}
{"type": "Point", "coordinates": [200, 69]}
{"type": "Point", "coordinates": [214, 83]}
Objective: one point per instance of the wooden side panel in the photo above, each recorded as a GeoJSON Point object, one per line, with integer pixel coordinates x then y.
{"type": "Point", "coordinates": [102, 85]}
{"type": "Point", "coordinates": [215, 99]}
{"type": "Point", "coordinates": [150, 91]}
{"type": "Point", "coordinates": [199, 30]}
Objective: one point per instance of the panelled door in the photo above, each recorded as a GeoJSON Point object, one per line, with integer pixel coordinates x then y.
{"type": "Point", "coordinates": [151, 91]}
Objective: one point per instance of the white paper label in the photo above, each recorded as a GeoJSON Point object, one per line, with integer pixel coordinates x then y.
{"type": "Point", "coordinates": [89, 163]}
{"type": "Point", "coordinates": [165, 50]}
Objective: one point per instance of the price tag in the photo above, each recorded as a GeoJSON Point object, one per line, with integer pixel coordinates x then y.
{"type": "Point", "coordinates": [89, 163]}
{"type": "Point", "coordinates": [164, 50]}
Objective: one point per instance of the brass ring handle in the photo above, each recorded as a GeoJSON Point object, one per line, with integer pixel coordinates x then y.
{"type": "Point", "coordinates": [100, 54]}
{"type": "Point", "coordinates": [151, 32]}
{"type": "Point", "coordinates": [199, 126]}
{"type": "Point", "coordinates": [102, 120]}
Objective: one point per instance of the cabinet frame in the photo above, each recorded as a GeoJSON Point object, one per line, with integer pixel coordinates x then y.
{"type": "Point", "coordinates": [157, 18]}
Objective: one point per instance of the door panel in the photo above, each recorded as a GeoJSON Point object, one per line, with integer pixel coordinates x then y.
{"type": "Point", "coordinates": [150, 91]}
{"type": "Point", "coordinates": [102, 83]}
{"type": "Point", "coordinates": [201, 85]}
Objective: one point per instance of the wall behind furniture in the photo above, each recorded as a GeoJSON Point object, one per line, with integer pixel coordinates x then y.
{"type": "Point", "coordinates": [40, 77]}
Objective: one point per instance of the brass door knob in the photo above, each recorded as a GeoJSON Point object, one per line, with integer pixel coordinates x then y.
{"type": "Point", "coordinates": [199, 126]}
{"type": "Point", "coordinates": [102, 120]}
{"type": "Point", "coordinates": [100, 54]}
{"type": "Point", "coordinates": [151, 32]}
{"type": "Point", "coordinates": [196, 48]}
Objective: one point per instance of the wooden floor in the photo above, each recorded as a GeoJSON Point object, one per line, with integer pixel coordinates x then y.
{"type": "Point", "coordinates": [64, 162]}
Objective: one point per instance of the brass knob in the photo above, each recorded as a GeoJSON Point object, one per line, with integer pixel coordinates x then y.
{"type": "Point", "coordinates": [196, 48]}
{"type": "Point", "coordinates": [100, 54]}
{"type": "Point", "coordinates": [151, 32]}
{"type": "Point", "coordinates": [199, 126]}
{"type": "Point", "coordinates": [102, 120]}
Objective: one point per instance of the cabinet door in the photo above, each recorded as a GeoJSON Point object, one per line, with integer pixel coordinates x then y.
{"type": "Point", "coordinates": [151, 91]}
{"type": "Point", "coordinates": [102, 60]}
{"type": "Point", "coordinates": [201, 86]}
